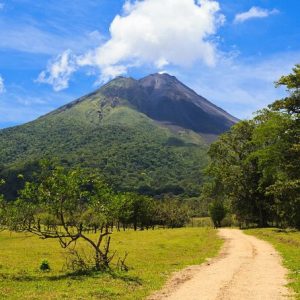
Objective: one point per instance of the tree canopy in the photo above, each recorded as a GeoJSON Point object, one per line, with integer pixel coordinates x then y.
{"type": "Point", "coordinates": [255, 166]}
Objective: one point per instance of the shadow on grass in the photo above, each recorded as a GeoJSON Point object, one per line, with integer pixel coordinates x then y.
{"type": "Point", "coordinates": [288, 230]}
{"type": "Point", "coordinates": [78, 275]}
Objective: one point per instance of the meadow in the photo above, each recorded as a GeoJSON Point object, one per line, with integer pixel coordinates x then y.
{"type": "Point", "coordinates": [287, 243]}
{"type": "Point", "coordinates": [153, 256]}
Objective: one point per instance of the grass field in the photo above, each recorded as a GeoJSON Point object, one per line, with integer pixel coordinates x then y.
{"type": "Point", "coordinates": [287, 244]}
{"type": "Point", "coordinates": [153, 255]}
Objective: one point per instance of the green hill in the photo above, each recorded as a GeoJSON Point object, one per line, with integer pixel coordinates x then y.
{"type": "Point", "coordinates": [110, 133]}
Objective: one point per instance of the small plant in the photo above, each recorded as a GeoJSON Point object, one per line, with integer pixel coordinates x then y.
{"type": "Point", "coordinates": [45, 266]}
{"type": "Point", "coordinates": [78, 262]}
{"type": "Point", "coordinates": [121, 263]}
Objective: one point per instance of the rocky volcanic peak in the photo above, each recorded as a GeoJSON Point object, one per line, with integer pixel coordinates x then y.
{"type": "Point", "coordinates": [167, 85]}
{"type": "Point", "coordinates": [158, 81]}
{"type": "Point", "coordinates": [162, 86]}
{"type": "Point", "coordinates": [164, 98]}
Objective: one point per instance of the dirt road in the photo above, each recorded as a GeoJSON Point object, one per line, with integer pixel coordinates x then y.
{"type": "Point", "coordinates": [247, 268]}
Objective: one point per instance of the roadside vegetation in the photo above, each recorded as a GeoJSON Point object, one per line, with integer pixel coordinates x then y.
{"type": "Point", "coordinates": [254, 168]}
{"type": "Point", "coordinates": [287, 243]}
{"type": "Point", "coordinates": [152, 256]}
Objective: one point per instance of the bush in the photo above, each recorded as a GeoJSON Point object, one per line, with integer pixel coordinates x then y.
{"type": "Point", "coordinates": [230, 220]}
{"type": "Point", "coordinates": [217, 212]}
{"type": "Point", "coordinates": [45, 266]}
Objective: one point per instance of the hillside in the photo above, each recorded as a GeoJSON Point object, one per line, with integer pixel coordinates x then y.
{"type": "Point", "coordinates": [148, 135]}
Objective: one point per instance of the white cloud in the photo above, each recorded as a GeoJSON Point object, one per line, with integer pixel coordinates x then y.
{"type": "Point", "coordinates": [59, 71]}
{"type": "Point", "coordinates": [150, 32]}
{"type": "Point", "coordinates": [2, 87]}
{"type": "Point", "coordinates": [2, 5]}
{"type": "Point", "coordinates": [158, 33]}
{"type": "Point", "coordinates": [254, 12]}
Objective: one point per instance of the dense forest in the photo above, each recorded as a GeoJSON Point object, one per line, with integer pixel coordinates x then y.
{"type": "Point", "coordinates": [133, 152]}
{"type": "Point", "coordinates": [255, 167]}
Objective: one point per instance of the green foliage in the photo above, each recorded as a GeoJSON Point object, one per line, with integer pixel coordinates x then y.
{"type": "Point", "coordinates": [235, 175]}
{"type": "Point", "coordinates": [197, 206]}
{"type": "Point", "coordinates": [67, 204]}
{"type": "Point", "coordinates": [291, 81]}
{"type": "Point", "coordinates": [255, 166]}
{"type": "Point", "coordinates": [171, 213]}
{"type": "Point", "coordinates": [45, 266]}
{"type": "Point", "coordinates": [217, 212]}
{"type": "Point", "coordinates": [133, 152]}
{"type": "Point", "coordinates": [56, 208]}
{"type": "Point", "coordinates": [2, 207]}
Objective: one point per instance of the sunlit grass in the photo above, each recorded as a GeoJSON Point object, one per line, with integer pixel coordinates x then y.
{"type": "Point", "coordinates": [153, 255]}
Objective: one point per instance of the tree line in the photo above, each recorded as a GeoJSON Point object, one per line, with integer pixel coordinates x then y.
{"type": "Point", "coordinates": [255, 167]}
{"type": "Point", "coordinates": [70, 204]}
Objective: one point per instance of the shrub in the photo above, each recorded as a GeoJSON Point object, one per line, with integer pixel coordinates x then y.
{"type": "Point", "coordinates": [217, 212]}
{"type": "Point", "coordinates": [45, 266]}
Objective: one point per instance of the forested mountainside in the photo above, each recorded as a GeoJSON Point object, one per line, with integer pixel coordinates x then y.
{"type": "Point", "coordinates": [149, 135]}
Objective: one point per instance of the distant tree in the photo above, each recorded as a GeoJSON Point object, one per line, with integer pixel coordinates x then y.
{"type": "Point", "coordinates": [172, 213]}
{"type": "Point", "coordinates": [123, 210]}
{"type": "Point", "coordinates": [217, 212]}
{"type": "Point", "coordinates": [64, 205]}
{"type": "Point", "coordinates": [139, 210]}
{"type": "Point", "coordinates": [2, 208]}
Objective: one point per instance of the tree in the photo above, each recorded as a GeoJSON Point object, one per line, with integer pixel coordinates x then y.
{"type": "Point", "coordinates": [286, 188]}
{"type": "Point", "coordinates": [272, 146]}
{"type": "Point", "coordinates": [290, 104]}
{"type": "Point", "coordinates": [235, 174]}
{"type": "Point", "coordinates": [64, 205]}
{"type": "Point", "coordinates": [255, 166]}
{"type": "Point", "coordinates": [2, 207]}
{"type": "Point", "coordinates": [217, 212]}
{"type": "Point", "coordinates": [141, 211]}
{"type": "Point", "coordinates": [171, 212]}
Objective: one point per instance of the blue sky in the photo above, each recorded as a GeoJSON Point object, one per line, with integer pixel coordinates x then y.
{"type": "Point", "coordinates": [230, 52]}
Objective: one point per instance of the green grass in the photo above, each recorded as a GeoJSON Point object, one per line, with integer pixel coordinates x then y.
{"type": "Point", "coordinates": [287, 243]}
{"type": "Point", "coordinates": [153, 256]}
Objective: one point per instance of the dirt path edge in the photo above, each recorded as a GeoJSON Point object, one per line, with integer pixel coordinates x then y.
{"type": "Point", "coordinates": [245, 268]}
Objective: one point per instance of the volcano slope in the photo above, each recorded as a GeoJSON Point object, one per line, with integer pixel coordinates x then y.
{"type": "Point", "coordinates": [148, 135]}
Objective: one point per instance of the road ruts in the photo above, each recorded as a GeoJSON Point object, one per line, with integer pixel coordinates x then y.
{"type": "Point", "coordinates": [247, 268]}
